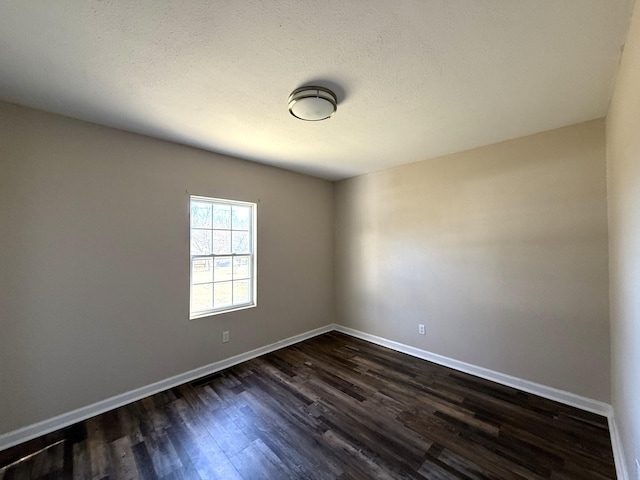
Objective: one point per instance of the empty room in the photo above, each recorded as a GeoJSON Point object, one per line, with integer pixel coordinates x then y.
{"type": "Point", "coordinates": [320, 240]}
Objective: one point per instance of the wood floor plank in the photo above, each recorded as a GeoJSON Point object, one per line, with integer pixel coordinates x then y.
{"type": "Point", "coordinates": [332, 407]}
{"type": "Point", "coordinates": [318, 457]}
{"type": "Point", "coordinates": [253, 464]}
{"type": "Point", "coordinates": [81, 467]}
{"type": "Point", "coordinates": [101, 462]}
{"type": "Point", "coordinates": [125, 463]}
{"type": "Point", "coordinates": [206, 456]}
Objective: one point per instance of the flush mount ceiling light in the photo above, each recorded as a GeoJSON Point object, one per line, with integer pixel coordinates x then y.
{"type": "Point", "coordinates": [312, 103]}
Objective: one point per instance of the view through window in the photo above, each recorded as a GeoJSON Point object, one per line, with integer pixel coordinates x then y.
{"type": "Point", "coordinates": [223, 256]}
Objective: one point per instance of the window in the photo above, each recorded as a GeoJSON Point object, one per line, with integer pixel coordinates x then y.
{"type": "Point", "coordinates": [223, 256]}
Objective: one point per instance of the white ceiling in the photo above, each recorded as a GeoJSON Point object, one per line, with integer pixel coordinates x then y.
{"type": "Point", "coordinates": [414, 79]}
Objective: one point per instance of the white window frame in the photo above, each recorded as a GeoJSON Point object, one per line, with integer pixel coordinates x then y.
{"type": "Point", "coordinates": [253, 300]}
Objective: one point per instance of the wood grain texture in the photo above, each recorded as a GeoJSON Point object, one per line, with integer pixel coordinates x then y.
{"type": "Point", "coordinates": [333, 407]}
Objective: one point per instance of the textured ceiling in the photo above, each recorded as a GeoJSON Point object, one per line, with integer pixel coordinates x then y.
{"type": "Point", "coordinates": [414, 79]}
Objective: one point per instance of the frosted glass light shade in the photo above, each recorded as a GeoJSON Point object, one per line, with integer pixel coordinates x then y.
{"type": "Point", "coordinates": [312, 103]}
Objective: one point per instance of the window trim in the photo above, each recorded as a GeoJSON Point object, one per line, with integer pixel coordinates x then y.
{"type": "Point", "coordinates": [253, 255]}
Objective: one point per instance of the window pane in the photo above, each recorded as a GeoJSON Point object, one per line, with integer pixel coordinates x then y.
{"type": "Point", "coordinates": [200, 242]}
{"type": "Point", "coordinates": [201, 297]}
{"type": "Point", "coordinates": [201, 270]}
{"type": "Point", "coordinates": [241, 242]}
{"type": "Point", "coordinates": [221, 215]}
{"type": "Point", "coordinates": [241, 217]}
{"type": "Point", "coordinates": [200, 215]}
{"type": "Point", "coordinates": [241, 267]}
{"type": "Point", "coordinates": [222, 269]}
{"type": "Point", "coordinates": [221, 294]}
{"type": "Point", "coordinates": [221, 241]}
{"type": "Point", "coordinates": [241, 293]}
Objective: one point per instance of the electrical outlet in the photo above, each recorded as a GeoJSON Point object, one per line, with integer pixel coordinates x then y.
{"type": "Point", "coordinates": [225, 337]}
{"type": "Point", "coordinates": [421, 329]}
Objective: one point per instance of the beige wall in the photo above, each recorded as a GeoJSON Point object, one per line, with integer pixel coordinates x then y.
{"type": "Point", "coordinates": [94, 276]}
{"type": "Point", "coordinates": [501, 251]}
{"type": "Point", "coordinates": [623, 175]}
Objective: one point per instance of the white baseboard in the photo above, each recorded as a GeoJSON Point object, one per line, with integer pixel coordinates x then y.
{"type": "Point", "coordinates": [29, 432]}
{"type": "Point", "coordinates": [551, 393]}
{"type": "Point", "coordinates": [618, 452]}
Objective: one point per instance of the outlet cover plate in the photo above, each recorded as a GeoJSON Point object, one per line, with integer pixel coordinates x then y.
{"type": "Point", "coordinates": [225, 337]}
{"type": "Point", "coordinates": [421, 329]}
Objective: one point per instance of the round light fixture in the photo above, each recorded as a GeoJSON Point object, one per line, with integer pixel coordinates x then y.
{"type": "Point", "coordinates": [312, 103]}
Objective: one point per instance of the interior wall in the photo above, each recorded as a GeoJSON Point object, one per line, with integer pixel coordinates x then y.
{"type": "Point", "coordinates": [623, 183]}
{"type": "Point", "coordinates": [500, 251]}
{"type": "Point", "coordinates": [94, 256]}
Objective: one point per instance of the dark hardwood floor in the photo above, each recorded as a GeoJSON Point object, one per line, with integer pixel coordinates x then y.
{"type": "Point", "coordinates": [333, 407]}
